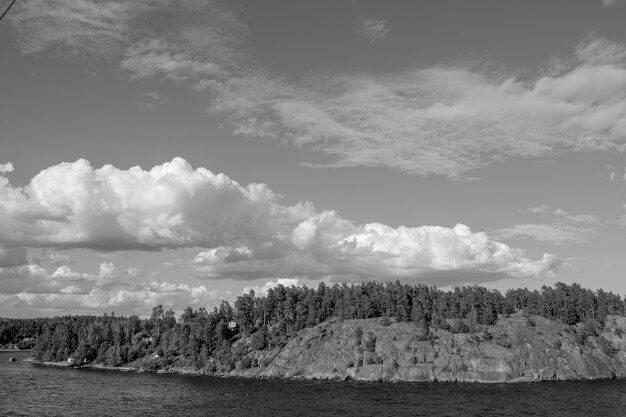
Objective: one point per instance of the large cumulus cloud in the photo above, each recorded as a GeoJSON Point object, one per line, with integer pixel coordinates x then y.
{"type": "Point", "coordinates": [241, 232]}
{"type": "Point", "coordinates": [74, 205]}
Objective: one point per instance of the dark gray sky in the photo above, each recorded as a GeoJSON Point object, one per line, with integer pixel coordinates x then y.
{"type": "Point", "coordinates": [442, 142]}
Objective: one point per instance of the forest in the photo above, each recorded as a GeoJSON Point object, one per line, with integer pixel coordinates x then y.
{"type": "Point", "coordinates": [207, 339]}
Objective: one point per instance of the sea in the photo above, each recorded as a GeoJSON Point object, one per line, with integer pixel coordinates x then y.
{"type": "Point", "coordinates": [28, 389]}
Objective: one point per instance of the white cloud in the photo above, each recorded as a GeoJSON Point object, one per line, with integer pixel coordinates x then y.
{"type": "Point", "coordinates": [155, 58]}
{"type": "Point", "coordinates": [149, 38]}
{"type": "Point", "coordinates": [372, 30]}
{"type": "Point", "coordinates": [614, 178]}
{"type": "Point", "coordinates": [57, 259]}
{"type": "Point", "coordinates": [373, 251]}
{"type": "Point", "coordinates": [66, 291]}
{"type": "Point", "coordinates": [74, 205]}
{"type": "Point", "coordinates": [245, 232]}
{"type": "Point", "coordinates": [609, 3]}
{"type": "Point", "coordinates": [6, 167]}
{"type": "Point", "coordinates": [539, 209]}
{"type": "Point", "coordinates": [541, 232]}
{"type": "Point", "coordinates": [442, 120]}
{"type": "Point", "coordinates": [91, 25]}
{"type": "Point", "coordinates": [261, 290]}
{"type": "Point", "coordinates": [151, 99]}
{"type": "Point", "coordinates": [81, 25]}
{"type": "Point", "coordinates": [561, 228]}
{"type": "Point", "coordinates": [124, 302]}
{"type": "Point", "coordinates": [34, 279]}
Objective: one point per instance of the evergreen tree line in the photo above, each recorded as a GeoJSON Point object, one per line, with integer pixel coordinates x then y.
{"type": "Point", "coordinates": [206, 339]}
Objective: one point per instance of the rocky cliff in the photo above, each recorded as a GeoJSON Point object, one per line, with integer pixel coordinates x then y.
{"type": "Point", "coordinates": [516, 349]}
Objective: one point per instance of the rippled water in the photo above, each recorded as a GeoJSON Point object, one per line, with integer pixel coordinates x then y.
{"type": "Point", "coordinates": [32, 390]}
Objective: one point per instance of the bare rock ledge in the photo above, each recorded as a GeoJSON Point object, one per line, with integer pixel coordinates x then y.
{"type": "Point", "coordinates": [516, 349]}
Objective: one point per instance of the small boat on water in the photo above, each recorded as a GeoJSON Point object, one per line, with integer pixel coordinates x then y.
{"type": "Point", "coordinates": [12, 359]}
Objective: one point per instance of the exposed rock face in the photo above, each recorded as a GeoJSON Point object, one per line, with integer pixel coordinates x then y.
{"type": "Point", "coordinates": [516, 349]}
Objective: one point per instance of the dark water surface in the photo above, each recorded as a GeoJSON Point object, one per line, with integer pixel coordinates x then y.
{"type": "Point", "coordinates": [32, 390]}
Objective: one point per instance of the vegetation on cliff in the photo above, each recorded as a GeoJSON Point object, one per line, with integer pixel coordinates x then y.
{"type": "Point", "coordinates": [231, 337]}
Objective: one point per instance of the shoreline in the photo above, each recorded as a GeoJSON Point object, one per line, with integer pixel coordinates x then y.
{"type": "Point", "coordinates": [172, 371]}
{"type": "Point", "coordinates": [238, 375]}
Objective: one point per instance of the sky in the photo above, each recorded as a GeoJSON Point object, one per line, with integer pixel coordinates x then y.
{"type": "Point", "coordinates": [182, 152]}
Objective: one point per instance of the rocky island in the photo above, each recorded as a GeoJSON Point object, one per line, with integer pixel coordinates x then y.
{"type": "Point", "coordinates": [368, 332]}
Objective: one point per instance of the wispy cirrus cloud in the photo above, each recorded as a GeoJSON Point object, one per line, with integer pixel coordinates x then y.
{"type": "Point", "coordinates": [560, 228]}
{"type": "Point", "coordinates": [371, 30]}
{"type": "Point", "coordinates": [100, 28]}
{"type": "Point", "coordinates": [149, 38]}
{"type": "Point", "coordinates": [554, 234]}
{"type": "Point", "coordinates": [151, 99]}
{"type": "Point", "coordinates": [243, 232]}
{"type": "Point", "coordinates": [444, 120]}
{"type": "Point", "coordinates": [609, 3]}
{"type": "Point", "coordinates": [153, 58]}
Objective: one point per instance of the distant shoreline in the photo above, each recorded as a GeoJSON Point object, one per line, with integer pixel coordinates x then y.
{"type": "Point", "coordinates": [15, 350]}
